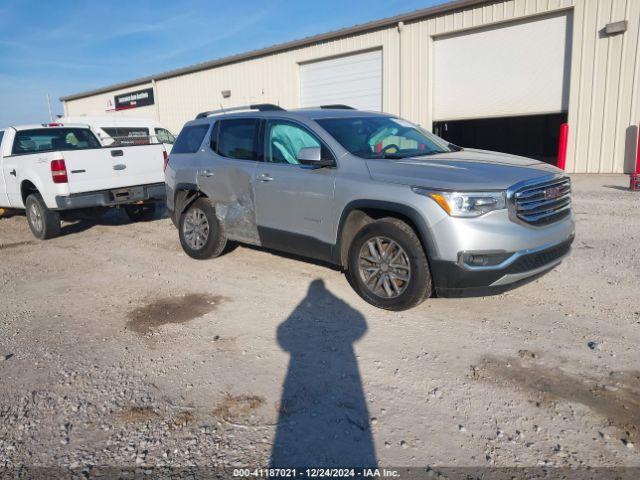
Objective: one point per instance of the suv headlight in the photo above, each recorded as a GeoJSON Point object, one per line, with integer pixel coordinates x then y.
{"type": "Point", "coordinates": [465, 204]}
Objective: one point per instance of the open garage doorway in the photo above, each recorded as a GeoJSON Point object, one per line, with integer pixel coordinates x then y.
{"type": "Point", "coordinates": [534, 136]}
{"type": "Point", "coordinates": [505, 87]}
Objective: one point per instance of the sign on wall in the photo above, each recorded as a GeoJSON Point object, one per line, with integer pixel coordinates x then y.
{"type": "Point", "coordinates": [139, 98]}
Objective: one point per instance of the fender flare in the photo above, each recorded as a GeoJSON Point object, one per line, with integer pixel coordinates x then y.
{"type": "Point", "coordinates": [424, 233]}
{"type": "Point", "coordinates": [182, 202]}
{"type": "Point", "coordinates": [35, 181]}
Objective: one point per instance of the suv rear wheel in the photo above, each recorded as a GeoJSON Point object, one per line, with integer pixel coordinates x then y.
{"type": "Point", "coordinates": [387, 265]}
{"type": "Point", "coordinates": [201, 235]}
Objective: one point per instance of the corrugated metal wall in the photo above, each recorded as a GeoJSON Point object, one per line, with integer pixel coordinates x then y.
{"type": "Point", "coordinates": [604, 84]}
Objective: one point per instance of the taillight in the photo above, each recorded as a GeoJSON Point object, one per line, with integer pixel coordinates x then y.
{"type": "Point", "coordinates": [59, 171]}
{"type": "Point", "coordinates": [166, 160]}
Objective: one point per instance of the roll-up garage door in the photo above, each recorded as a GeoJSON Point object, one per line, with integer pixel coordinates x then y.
{"type": "Point", "coordinates": [354, 80]}
{"type": "Point", "coordinates": [519, 68]}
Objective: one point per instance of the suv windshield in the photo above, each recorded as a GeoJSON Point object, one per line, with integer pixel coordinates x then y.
{"type": "Point", "coordinates": [384, 137]}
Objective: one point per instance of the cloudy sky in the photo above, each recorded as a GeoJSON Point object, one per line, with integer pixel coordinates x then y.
{"type": "Point", "coordinates": [67, 46]}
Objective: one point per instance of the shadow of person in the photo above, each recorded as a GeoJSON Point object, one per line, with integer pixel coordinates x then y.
{"type": "Point", "coordinates": [323, 417]}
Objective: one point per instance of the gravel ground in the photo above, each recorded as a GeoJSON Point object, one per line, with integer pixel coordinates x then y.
{"type": "Point", "coordinates": [116, 349]}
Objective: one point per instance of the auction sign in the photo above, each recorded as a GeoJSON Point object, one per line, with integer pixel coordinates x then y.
{"type": "Point", "coordinates": [139, 98]}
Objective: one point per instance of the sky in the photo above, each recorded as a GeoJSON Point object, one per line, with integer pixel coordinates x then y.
{"type": "Point", "coordinates": [68, 46]}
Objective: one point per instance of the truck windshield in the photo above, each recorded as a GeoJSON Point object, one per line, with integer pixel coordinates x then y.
{"type": "Point", "coordinates": [53, 139]}
{"type": "Point", "coordinates": [384, 137]}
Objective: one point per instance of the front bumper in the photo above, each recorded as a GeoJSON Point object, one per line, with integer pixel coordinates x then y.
{"type": "Point", "coordinates": [454, 279]}
{"type": "Point", "coordinates": [110, 198]}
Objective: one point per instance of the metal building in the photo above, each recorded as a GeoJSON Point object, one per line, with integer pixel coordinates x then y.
{"type": "Point", "coordinates": [496, 74]}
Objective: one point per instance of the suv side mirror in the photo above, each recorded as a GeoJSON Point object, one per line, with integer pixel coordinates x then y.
{"type": "Point", "coordinates": [312, 156]}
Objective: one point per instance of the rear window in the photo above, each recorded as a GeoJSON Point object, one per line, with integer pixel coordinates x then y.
{"type": "Point", "coordinates": [238, 138]}
{"type": "Point", "coordinates": [123, 136]}
{"type": "Point", "coordinates": [190, 139]}
{"type": "Point", "coordinates": [53, 139]}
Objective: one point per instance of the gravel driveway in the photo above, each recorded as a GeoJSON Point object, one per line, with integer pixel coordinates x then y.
{"type": "Point", "coordinates": [117, 349]}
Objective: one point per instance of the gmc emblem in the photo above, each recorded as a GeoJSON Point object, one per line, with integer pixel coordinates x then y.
{"type": "Point", "coordinates": [553, 192]}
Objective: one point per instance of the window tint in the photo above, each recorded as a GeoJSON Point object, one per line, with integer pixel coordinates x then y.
{"type": "Point", "coordinates": [54, 139]}
{"type": "Point", "coordinates": [285, 140]}
{"type": "Point", "coordinates": [123, 136]}
{"type": "Point", "coordinates": [164, 136]}
{"type": "Point", "coordinates": [238, 138]}
{"type": "Point", "coordinates": [1, 135]}
{"type": "Point", "coordinates": [190, 139]}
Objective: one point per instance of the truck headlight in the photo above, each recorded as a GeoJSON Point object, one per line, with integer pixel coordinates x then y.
{"type": "Point", "coordinates": [465, 204]}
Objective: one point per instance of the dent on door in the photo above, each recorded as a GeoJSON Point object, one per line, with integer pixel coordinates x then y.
{"type": "Point", "coordinates": [235, 207]}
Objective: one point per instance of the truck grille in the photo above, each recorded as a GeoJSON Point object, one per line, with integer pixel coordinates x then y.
{"type": "Point", "coordinates": [543, 203]}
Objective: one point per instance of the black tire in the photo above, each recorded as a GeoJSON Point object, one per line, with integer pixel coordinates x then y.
{"type": "Point", "coordinates": [141, 213]}
{"type": "Point", "coordinates": [415, 266]}
{"type": "Point", "coordinates": [207, 244]}
{"type": "Point", "coordinates": [43, 223]}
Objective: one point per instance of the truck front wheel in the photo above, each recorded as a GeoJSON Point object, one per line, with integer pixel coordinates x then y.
{"type": "Point", "coordinates": [387, 265]}
{"type": "Point", "coordinates": [43, 223]}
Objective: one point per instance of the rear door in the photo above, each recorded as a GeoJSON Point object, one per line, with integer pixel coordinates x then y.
{"type": "Point", "coordinates": [227, 175]}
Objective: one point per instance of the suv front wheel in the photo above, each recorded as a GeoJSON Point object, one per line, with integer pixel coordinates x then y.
{"type": "Point", "coordinates": [387, 265]}
{"type": "Point", "coordinates": [201, 235]}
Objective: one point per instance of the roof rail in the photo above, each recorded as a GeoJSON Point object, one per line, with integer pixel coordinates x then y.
{"type": "Point", "coordinates": [262, 107]}
{"type": "Point", "coordinates": [337, 106]}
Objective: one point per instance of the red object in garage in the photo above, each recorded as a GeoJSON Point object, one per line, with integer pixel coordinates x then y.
{"type": "Point", "coordinates": [562, 146]}
{"type": "Point", "coordinates": [634, 181]}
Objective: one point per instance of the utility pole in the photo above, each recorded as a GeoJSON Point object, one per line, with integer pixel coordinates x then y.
{"type": "Point", "coordinates": [49, 106]}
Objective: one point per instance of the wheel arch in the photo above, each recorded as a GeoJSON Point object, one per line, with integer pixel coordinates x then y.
{"type": "Point", "coordinates": [360, 212]}
{"type": "Point", "coordinates": [183, 196]}
{"type": "Point", "coordinates": [27, 187]}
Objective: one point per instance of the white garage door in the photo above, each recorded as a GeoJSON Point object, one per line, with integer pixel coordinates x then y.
{"type": "Point", "coordinates": [515, 69]}
{"type": "Point", "coordinates": [354, 80]}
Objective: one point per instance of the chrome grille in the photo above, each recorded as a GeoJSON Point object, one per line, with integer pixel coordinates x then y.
{"type": "Point", "coordinates": [543, 203]}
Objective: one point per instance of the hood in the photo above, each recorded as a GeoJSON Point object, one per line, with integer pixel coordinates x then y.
{"type": "Point", "coordinates": [467, 169]}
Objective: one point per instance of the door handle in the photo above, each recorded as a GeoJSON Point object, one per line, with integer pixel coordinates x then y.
{"type": "Point", "coordinates": [13, 172]}
{"type": "Point", "coordinates": [117, 153]}
{"type": "Point", "coordinates": [265, 177]}
{"type": "Point", "coordinates": [207, 173]}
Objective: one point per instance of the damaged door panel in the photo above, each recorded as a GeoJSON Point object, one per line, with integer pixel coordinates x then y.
{"type": "Point", "coordinates": [228, 174]}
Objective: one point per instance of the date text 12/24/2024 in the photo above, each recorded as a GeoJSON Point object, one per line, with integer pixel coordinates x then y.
{"type": "Point", "coordinates": [315, 473]}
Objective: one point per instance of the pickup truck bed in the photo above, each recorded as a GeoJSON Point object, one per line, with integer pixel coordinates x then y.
{"type": "Point", "coordinates": [64, 167]}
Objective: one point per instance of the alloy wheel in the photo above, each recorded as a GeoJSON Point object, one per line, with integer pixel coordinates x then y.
{"type": "Point", "coordinates": [384, 267]}
{"type": "Point", "coordinates": [195, 228]}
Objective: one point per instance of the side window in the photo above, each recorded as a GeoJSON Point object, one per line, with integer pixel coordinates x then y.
{"type": "Point", "coordinates": [164, 136]}
{"type": "Point", "coordinates": [1, 135]}
{"type": "Point", "coordinates": [284, 140]}
{"type": "Point", "coordinates": [190, 139]}
{"type": "Point", "coordinates": [124, 136]}
{"type": "Point", "coordinates": [238, 138]}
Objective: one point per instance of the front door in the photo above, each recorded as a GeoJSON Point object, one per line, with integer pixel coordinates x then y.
{"type": "Point", "coordinates": [293, 201]}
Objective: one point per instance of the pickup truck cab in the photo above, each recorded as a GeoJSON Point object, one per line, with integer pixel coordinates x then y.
{"type": "Point", "coordinates": [53, 168]}
{"type": "Point", "coordinates": [403, 212]}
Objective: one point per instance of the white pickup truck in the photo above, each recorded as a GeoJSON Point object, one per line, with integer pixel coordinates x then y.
{"type": "Point", "coordinates": [51, 169]}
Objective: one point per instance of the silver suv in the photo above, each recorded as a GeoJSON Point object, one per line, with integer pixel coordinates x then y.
{"type": "Point", "coordinates": [403, 212]}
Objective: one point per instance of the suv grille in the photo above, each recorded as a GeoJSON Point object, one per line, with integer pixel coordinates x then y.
{"type": "Point", "coordinates": [544, 203]}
